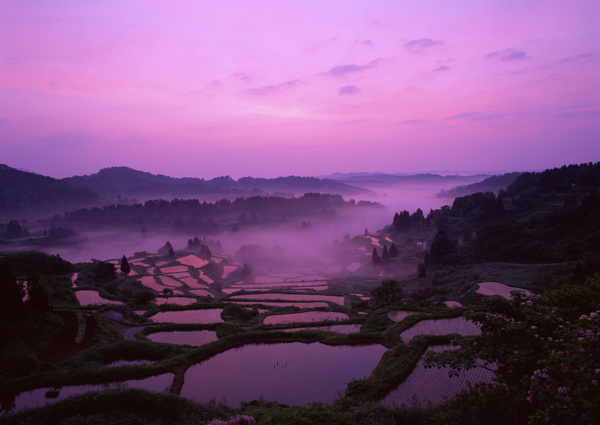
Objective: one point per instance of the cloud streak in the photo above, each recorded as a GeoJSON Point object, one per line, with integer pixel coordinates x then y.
{"type": "Point", "coordinates": [341, 70]}
{"type": "Point", "coordinates": [273, 89]}
{"type": "Point", "coordinates": [346, 90]}
{"type": "Point", "coordinates": [421, 45]}
{"type": "Point", "coordinates": [507, 55]}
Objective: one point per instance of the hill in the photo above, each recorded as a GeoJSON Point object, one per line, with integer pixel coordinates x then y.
{"type": "Point", "coordinates": [127, 182]}
{"type": "Point", "coordinates": [491, 184]}
{"type": "Point", "coordinates": [29, 193]}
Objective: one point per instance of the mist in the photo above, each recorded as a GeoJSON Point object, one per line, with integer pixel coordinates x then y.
{"type": "Point", "coordinates": [304, 244]}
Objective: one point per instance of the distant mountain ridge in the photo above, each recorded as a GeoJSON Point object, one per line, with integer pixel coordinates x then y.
{"type": "Point", "coordinates": [374, 179]}
{"type": "Point", "coordinates": [24, 192]}
{"type": "Point", "coordinates": [491, 184]}
{"type": "Point", "coordinates": [126, 181]}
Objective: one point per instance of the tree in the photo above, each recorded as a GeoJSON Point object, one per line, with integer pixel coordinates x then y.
{"type": "Point", "coordinates": [402, 220]}
{"type": "Point", "coordinates": [421, 271]}
{"type": "Point", "coordinates": [11, 295]}
{"type": "Point", "coordinates": [545, 351]}
{"type": "Point", "coordinates": [393, 252]}
{"type": "Point", "coordinates": [441, 246]}
{"type": "Point", "coordinates": [37, 295]}
{"type": "Point", "coordinates": [125, 268]}
{"type": "Point", "coordinates": [171, 253]}
{"type": "Point", "coordinates": [375, 257]}
{"type": "Point", "coordinates": [388, 292]}
{"type": "Point", "coordinates": [14, 230]}
{"type": "Point", "coordinates": [384, 255]}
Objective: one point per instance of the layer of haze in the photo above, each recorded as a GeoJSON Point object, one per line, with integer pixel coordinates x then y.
{"type": "Point", "coordinates": [270, 88]}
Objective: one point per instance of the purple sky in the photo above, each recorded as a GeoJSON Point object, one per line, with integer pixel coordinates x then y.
{"type": "Point", "coordinates": [269, 88]}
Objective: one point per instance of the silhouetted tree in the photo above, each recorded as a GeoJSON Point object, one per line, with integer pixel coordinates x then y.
{"type": "Point", "coordinates": [393, 252]}
{"type": "Point", "coordinates": [171, 253]}
{"type": "Point", "coordinates": [375, 257]}
{"type": "Point", "coordinates": [384, 254]}
{"type": "Point", "coordinates": [366, 232]}
{"type": "Point", "coordinates": [441, 246]}
{"type": "Point", "coordinates": [388, 292]}
{"type": "Point", "coordinates": [421, 271]}
{"type": "Point", "coordinates": [402, 220]}
{"type": "Point", "coordinates": [125, 268]}
{"type": "Point", "coordinates": [14, 230]}
{"type": "Point", "coordinates": [11, 295]}
{"type": "Point", "coordinates": [247, 271]}
{"type": "Point", "coordinates": [37, 295]}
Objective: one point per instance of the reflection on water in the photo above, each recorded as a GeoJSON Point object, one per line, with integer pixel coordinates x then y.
{"type": "Point", "coordinates": [308, 316]}
{"type": "Point", "coordinates": [292, 373]}
{"type": "Point", "coordinates": [189, 316]}
{"type": "Point", "coordinates": [458, 325]}
{"type": "Point", "coordinates": [43, 396]}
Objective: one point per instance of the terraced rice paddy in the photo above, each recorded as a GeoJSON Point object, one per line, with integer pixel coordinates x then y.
{"type": "Point", "coordinates": [399, 315]}
{"type": "Point", "coordinates": [37, 398]}
{"type": "Point", "coordinates": [291, 373]}
{"type": "Point", "coordinates": [354, 267]}
{"type": "Point", "coordinates": [169, 281]}
{"type": "Point", "coordinates": [495, 288]}
{"type": "Point", "coordinates": [227, 270]}
{"type": "Point", "coordinates": [458, 325]}
{"type": "Point", "coordinates": [342, 329]}
{"type": "Point", "coordinates": [173, 269]}
{"type": "Point", "coordinates": [194, 261]}
{"type": "Point", "coordinates": [189, 316]}
{"type": "Point", "coordinates": [432, 386]}
{"type": "Point", "coordinates": [175, 300]}
{"type": "Point", "coordinates": [291, 297]}
{"type": "Point", "coordinates": [308, 316]}
{"type": "Point", "coordinates": [193, 338]}
{"type": "Point", "coordinates": [192, 282]}
{"type": "Point", "coordinates": [205, 278]}
{"type": "Point", "coordinates": [201, 293]}
{"type": "Point", "coordinates": [89, 297]}
{"type": "Point", "coordinates": [149, 282]}
{"type": "Point", "coordinates": [284, 304]}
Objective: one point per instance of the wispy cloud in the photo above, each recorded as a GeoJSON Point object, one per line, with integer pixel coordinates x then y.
{"type": "Point", "coordinates": [441, 68]}
{"type": "Point", "coordinates": [243, 77]}
{"type": "Point", "coordinates": [345, 90]}
{"type": "Point", "coordinates": [586, 57]}
{"type": "Point", "coordinates": [340, 70]}
{"type": "Point", "coordinates": [272, 89]}
{"type": "Point", "coordinates": [475, 116]}
{"type": "Point", "coordinates": [507, 55]}
{"type": "Point", "coordinates": [421, 45]}
{"type": "Point", "coordinates": [412, 121]}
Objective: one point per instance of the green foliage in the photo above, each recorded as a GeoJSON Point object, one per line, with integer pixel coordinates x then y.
{"type": "Point", "coordinates": [441, 247]}
{"type": "Point", "coordinates": [12, 292]}
{"type": "Point", "coordinates": [238, 314]}
{"type": "Point", "coordinates": [388, 292]}
{"type": "Point", "coordinates": [546, 355]}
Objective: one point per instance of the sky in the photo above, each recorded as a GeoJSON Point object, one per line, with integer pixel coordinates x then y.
{"type": "Point", "coordinates": [275, 88]}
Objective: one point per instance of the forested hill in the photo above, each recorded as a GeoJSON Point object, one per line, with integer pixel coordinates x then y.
{"type": "Point", "coordinates": [24, 193]}
{"type": "Point", "coordinates": [491, 184]}
{"type": "Point", "coordinates": [209, 217]}
{"type": "Point", "coordinates": [547, 217]}
{"type": "Point", "coordinates": [127, 182]}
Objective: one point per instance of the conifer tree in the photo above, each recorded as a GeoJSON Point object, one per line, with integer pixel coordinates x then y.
{"type": "Point", "coordinates": [375, 257]}
{"type": "Point", "coordinates": [384, 254]}
{"type": "Point", "coordinates": [125, 268]}
{"type": "Point", "coordinates": [393, 252]}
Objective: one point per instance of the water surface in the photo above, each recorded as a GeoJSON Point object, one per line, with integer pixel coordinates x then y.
{"type": "Point", "coordinates": [292, 373]}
